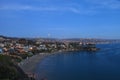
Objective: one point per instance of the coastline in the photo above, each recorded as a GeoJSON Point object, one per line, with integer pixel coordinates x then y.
{"type": "Point", "coordinates": [28, 65]}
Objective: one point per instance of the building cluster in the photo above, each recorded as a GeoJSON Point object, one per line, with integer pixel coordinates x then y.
{"type": "Point", "coordinates": [21, 46]}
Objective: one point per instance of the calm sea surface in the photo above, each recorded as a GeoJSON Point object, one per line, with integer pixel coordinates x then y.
{"type": "Point", "coordinates": [101, 65]}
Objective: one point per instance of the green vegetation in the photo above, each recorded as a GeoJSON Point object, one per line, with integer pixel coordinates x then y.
{"type": "Point", "coordinates": [10, 71]}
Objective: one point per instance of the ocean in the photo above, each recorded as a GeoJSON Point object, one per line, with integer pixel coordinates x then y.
{"type": "Point", "coordinates": [83, 65]}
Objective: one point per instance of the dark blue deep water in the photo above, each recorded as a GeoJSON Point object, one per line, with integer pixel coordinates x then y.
{"type": "Point", "coordinates": [100, 65]}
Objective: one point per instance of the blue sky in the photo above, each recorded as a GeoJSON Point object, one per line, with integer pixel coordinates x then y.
{"type": "Point", "coordinates": [60, 18]}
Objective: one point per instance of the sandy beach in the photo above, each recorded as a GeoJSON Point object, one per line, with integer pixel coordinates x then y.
{"type": "Point", "coordinates": [28, 65]}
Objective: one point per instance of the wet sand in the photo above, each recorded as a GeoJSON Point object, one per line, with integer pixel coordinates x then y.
{"type": "Point", "coordinates": [28, 65]}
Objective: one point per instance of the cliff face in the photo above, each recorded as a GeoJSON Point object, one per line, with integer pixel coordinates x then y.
{"type": "Point", "coordinates": [10, 71]}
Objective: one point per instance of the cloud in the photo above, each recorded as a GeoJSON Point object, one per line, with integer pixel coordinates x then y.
{"type": "Point", "coordinates": [78, 7]}
{"type": "Point", "coordinates": [25, 7]}
{"type": "Point", "coordinates": [106, 4]}
{"type": "Point", "coordinates": [39, 8]}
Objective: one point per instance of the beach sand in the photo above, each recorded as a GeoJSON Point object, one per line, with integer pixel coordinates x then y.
{"type": "Point", "coordinates": [28, 65]}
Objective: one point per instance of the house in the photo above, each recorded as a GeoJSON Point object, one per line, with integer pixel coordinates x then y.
{"type": "Point", "coordinates": [20, 50]}
{"type": "Point", "coordinates": [1, 45]}
{"type": "Point", "coordinates": [11, 50]}
{"type": "Point", "coordinates": [42, 47]}
{"type": "Point", "coordinates": [26, 48]}
{"type": "Point", "coordinates": [1, 51]}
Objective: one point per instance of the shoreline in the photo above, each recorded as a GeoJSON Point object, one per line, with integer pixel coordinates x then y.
{"type": "Point", "coordinates": [28, 65]}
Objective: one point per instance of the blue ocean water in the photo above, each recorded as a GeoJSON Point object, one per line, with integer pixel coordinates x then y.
{"type": "Point", "coordinates": [100, 65]}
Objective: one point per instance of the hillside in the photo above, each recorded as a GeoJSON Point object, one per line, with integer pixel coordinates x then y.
{"type": "Point", "coordinates": [10, 71]}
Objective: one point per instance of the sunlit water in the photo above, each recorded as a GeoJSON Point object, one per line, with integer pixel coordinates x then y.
{"type": "Point", "coordinates": [101, 65]}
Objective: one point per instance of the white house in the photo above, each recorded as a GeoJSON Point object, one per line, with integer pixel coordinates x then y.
{"type": "Point", "coordinates": [1, 45]}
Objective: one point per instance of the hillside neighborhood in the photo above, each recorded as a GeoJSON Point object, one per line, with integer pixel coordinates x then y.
{"type": "Point", "coordinates": [22, 48]}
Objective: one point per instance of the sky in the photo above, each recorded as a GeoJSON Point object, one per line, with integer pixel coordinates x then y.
{"type": "Point", "coordinates": [60, 18]}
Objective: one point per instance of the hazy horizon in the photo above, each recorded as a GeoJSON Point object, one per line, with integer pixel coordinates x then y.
{"type": "Point", "coordinates": [59, 38]}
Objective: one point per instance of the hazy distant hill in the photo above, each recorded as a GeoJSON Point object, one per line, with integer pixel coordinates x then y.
{"type": "Point", "coordinates": [67, 39]}
{"type": "Point", "coordinates": [6, 37]}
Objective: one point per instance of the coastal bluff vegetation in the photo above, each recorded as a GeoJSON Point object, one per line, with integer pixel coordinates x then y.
{"type": "Point", "coordinates": [9, 70]}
